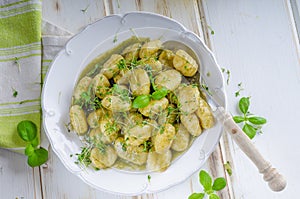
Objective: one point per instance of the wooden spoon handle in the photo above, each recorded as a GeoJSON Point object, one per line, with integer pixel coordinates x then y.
{"type": "Point", "coordinates": [275, 180]}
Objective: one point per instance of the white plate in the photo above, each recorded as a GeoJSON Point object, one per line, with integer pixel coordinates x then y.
{"type": "Point", "coordinates": [65, 70]}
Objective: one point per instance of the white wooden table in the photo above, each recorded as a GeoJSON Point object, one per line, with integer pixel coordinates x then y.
{"type": "Point", "coordinates": [258, 41]}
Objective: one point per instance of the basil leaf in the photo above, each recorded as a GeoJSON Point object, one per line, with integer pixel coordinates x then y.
{"type": "Point", "coordinates": [249, 130]}
{"type": "Point", "coordinates": [244, 104]}
{"type": "Point", "coordinates": [141, 101]}
{"type": "Point", "coordinates": [205, 180]}
{"type": "Point", "coordinates": [38, 157]}
{"type": "Point", "coordinates": [29, 150]}
{"type": "Point", "coordinates": [213, 196]}
{"type": "Point", "coordinates": [159, 94]}
{"type": "Point", "coordinates": [27, 130]}
{"type": "Point", "coordinates": [238, 119]}
{"type": "Point", "coordinates": [35, 142]}
{"type": "Point", "coordinates": [257, 120]}
{"type": "Point", "coordinates": [219, 184]}
{"type": "Point", "coordinates": [196, 196]}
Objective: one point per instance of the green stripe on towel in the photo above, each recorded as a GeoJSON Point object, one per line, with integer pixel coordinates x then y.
{"type": "Point", "coordinates": [20, 37]}
{"type": "Point", "coordinates": [10, 34]}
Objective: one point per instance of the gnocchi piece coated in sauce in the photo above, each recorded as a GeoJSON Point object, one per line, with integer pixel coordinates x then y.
{"type": "Point", "coordinates": [184, 63]}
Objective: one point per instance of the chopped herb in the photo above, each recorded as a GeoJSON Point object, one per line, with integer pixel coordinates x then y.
{"type": "Point", "coordinates": [228, 168]}
{"type": "Point", "coordinates": [228, 73]}
{"type": "Point", "coordinates": [205, 87]}
{"type": "Point", "coordinates": [212, 32]}
{"type": "Point", "coordinates": [135, 63]}
{"type": "Point", "coordinates": [124, 146]}
{"type": "Point", "coordinates": [237, 93]}
{"type": "Point", "coordinates": [85, 9]}
{"type": "Point", "coordinates": [96, 169]}
{"type": "Point", "coordinates": [148, 68]}
{"type": "Point", "coordinates": [122, 64]}
{"type": "Point", "coordinates": [15, 92]}
{"type": "Point", "coordinates": [208, 74]}
{"type": "Point", "coordinates": [228, 76]}
{"type": "Point", "coordinates": [161, 129]}
{"type": "Point", "coordinates": [26, 101]}
{"type": "Point", "coordinates": [84, 156]}
{"type": "Point", "coordinates": [115, 38]}
{"type": "Point", "coordinates": [195, 85]}
{"type": "Point", "coordinates": [18, 63]}
{"type": "Point", "coordinates": [89, 101]}
{"type": "Point", "coordinates": [149, 178]}
{"type": "Point", "coordinates": [147, 145]}
{"type": "Point", "coordinates": [111, 127]}
{"type": "Point", "coordinates": [120, 92]}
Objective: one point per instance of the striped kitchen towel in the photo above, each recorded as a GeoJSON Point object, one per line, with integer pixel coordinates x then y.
{"type": "Point", "coordinates": [20, 68]}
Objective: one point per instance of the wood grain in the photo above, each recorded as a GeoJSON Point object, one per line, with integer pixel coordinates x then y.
{"type": "Point", "coordinates": [73, 15]}
{"type": "Point", "coordinates": [265, 57]}
{"type": "Point", "coordinates": [275, 180]}
{"type": "Point", "coordinates": [295, 14]}
{"type": "Point", "coordinates": [17, 179]}
{"type": "Point", "coordinates": [58, 182]}
{"type": "Point", "coordinates": [256, 40]}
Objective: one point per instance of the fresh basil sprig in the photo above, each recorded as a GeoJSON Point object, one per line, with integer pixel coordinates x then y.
{"type": "Point", "coordinates": [37, 156]}
{"type": "Point", "coordinates": [209, 186]}
{"type": "Point", "coordinates": [252, 124]}
{"type": "Point", "coordinates": [142, 101]}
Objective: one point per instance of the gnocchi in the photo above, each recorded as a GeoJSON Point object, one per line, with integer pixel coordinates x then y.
{"type": "Point", "coordinates": [188, 98]}
{"type": "Point", "coordinates": [184, 63]}
{"type": "Point", "coordinates": [110, 67]}
{"type": "Point", "coordinates": [78, 120]}
{"type": "Point", "coordinates": [169, 79]}
{"type": "Point", "coordinates": [138, 110]}
{"type": "Point", "coordinates": [100, 85]}
{"type": "Point", "coordinates": [139, 82]}
{"type": "Point", "coordinates": [103, 159]}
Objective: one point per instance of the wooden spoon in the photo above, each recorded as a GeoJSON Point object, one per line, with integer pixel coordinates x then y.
{"type": "Point", "coordinates": [275, 180]}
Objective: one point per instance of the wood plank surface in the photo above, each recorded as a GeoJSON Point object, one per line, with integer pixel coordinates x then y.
{"type": "Point", "coordinates": [261, 50]}
{"type": "Point", "coordinates": [256, 40]}
{"type": "Point", "coordinates": [17, 179]}
{"type": "Point", "coordinates": [295, 7]}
